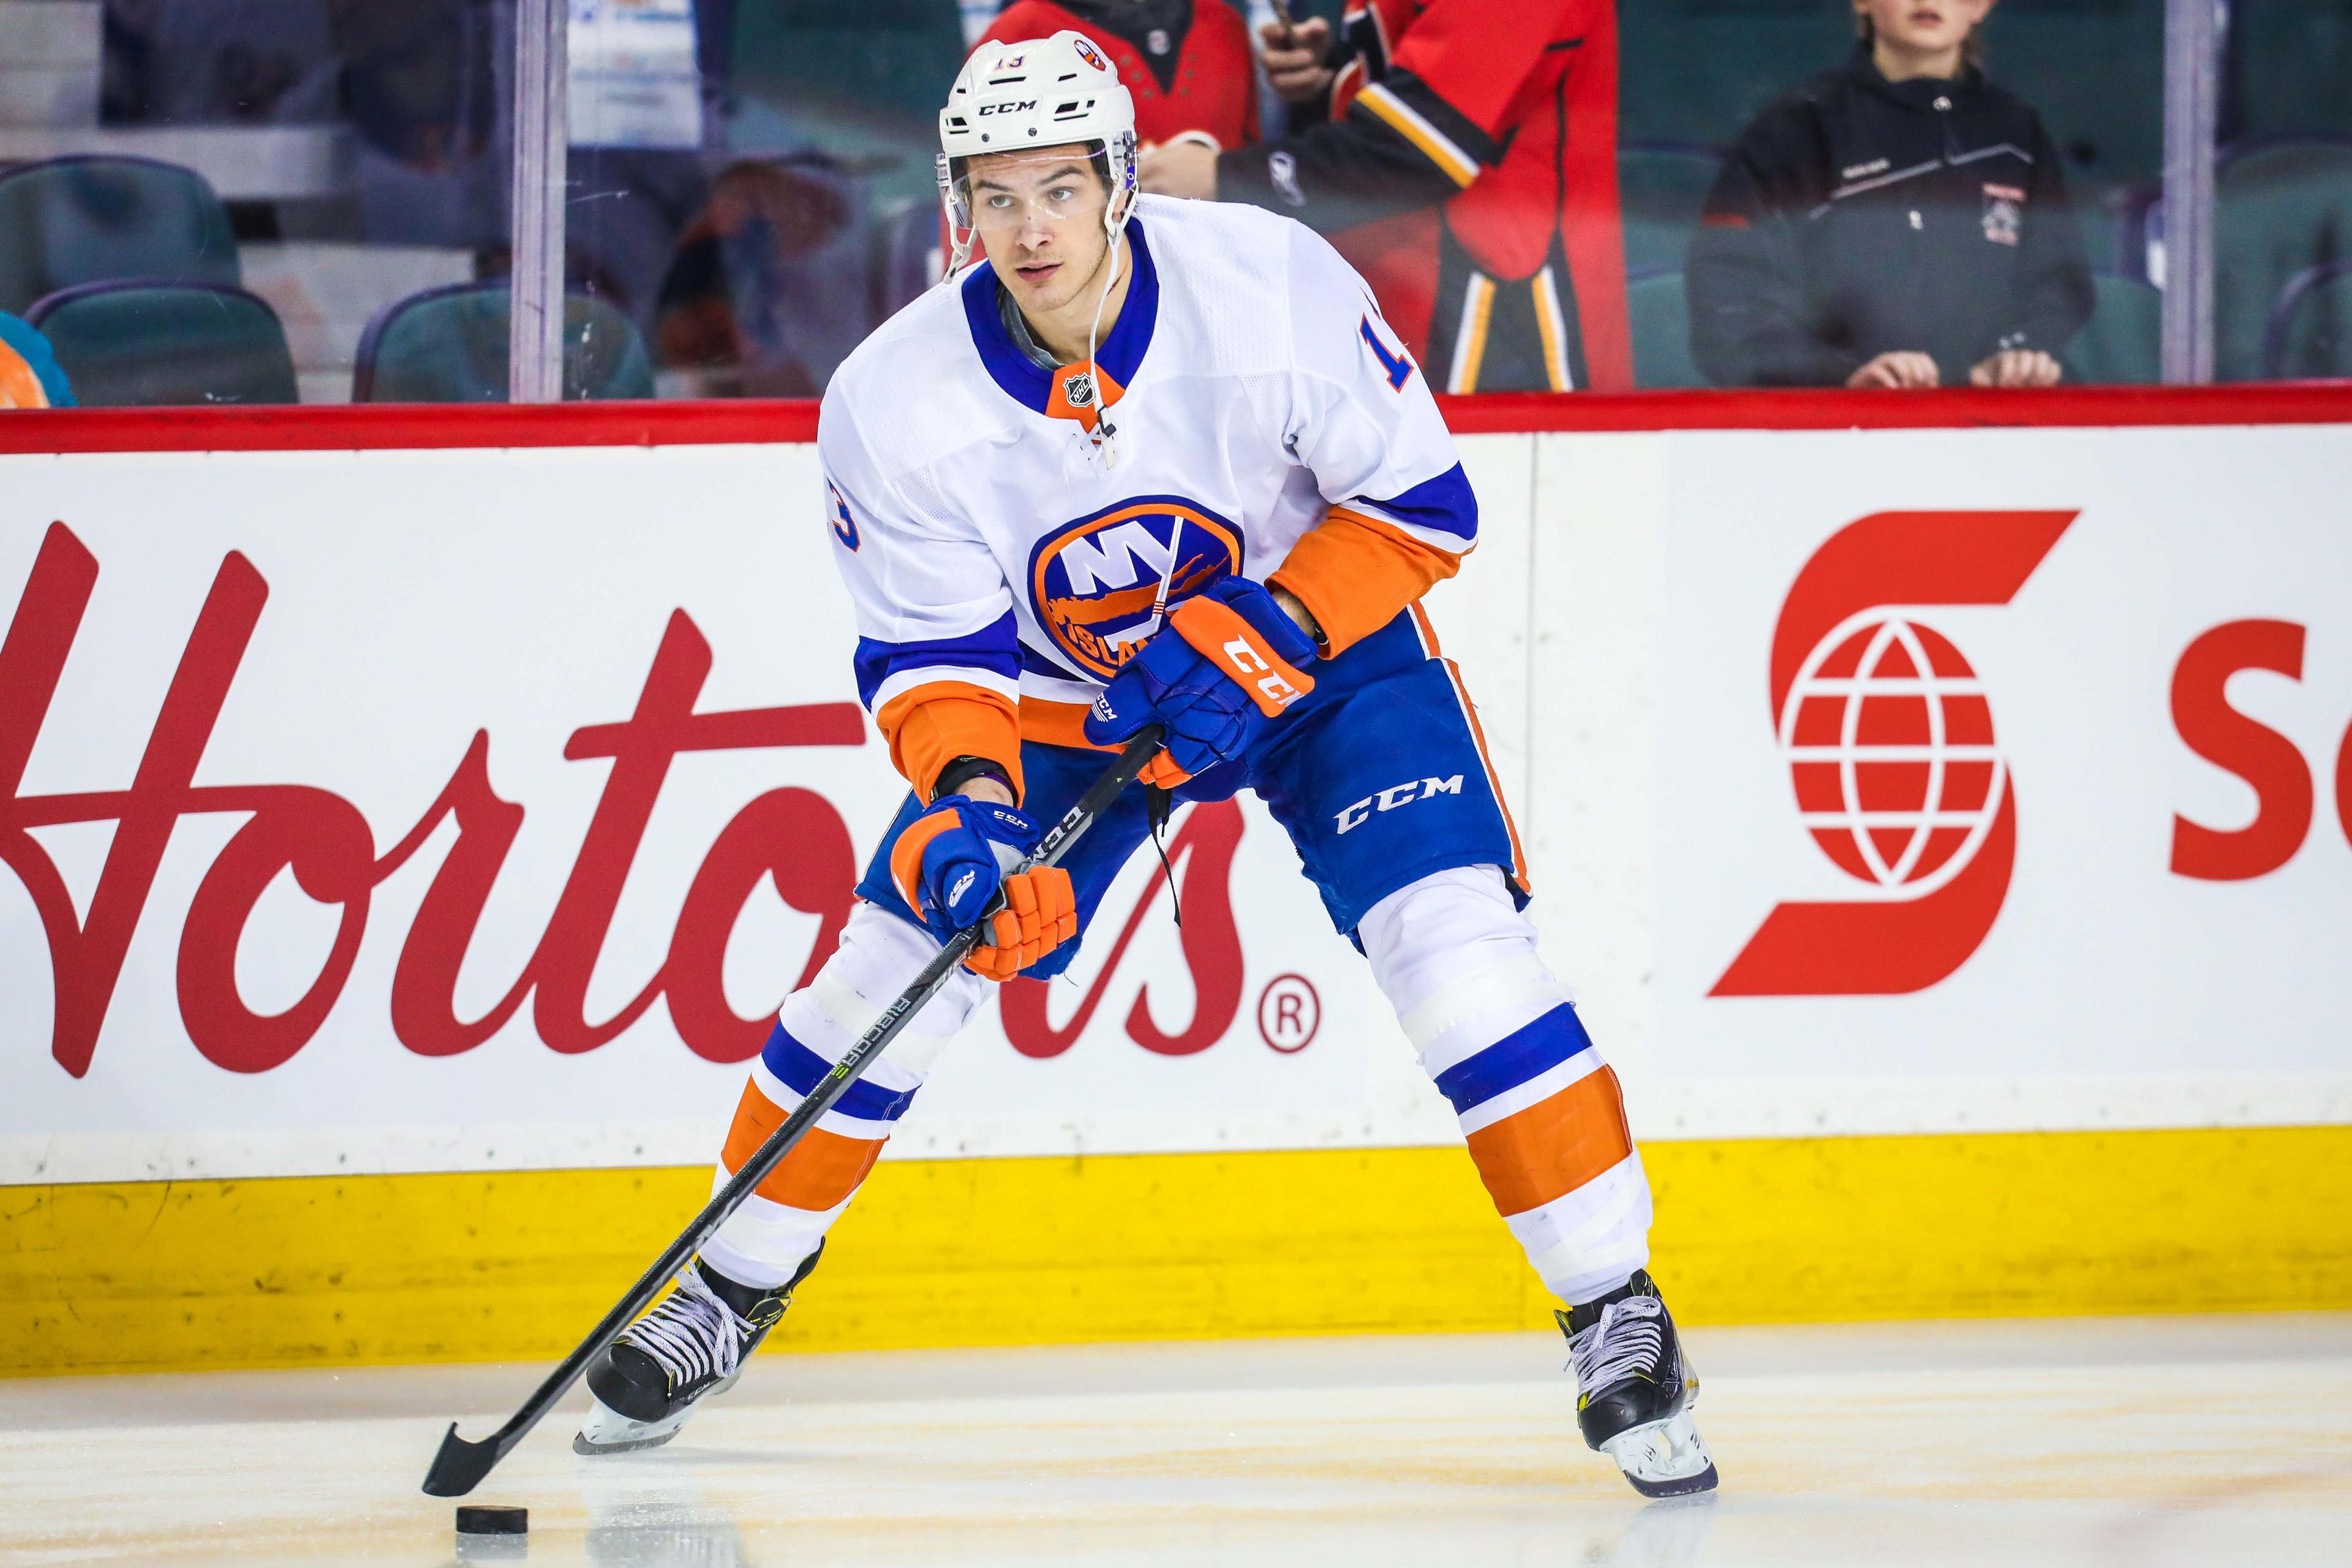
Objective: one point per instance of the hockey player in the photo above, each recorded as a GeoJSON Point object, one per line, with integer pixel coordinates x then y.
{"type": "Point", "coordinates": [1164, 462]}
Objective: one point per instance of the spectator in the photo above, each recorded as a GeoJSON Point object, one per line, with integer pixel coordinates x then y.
{"type": "Point", "coordinates": [1898, 222]}
{"type": "Point", "coordinates": [1464, 159]}
{"type": "Point", "coordinates": [767, 291]}
{"type": "Point", "coordinates": [1186, 62]}
{"type": "Point", "coordinates": [30, 377]}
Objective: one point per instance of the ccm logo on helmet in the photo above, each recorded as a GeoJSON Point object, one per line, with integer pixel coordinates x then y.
{"type": "Point", "coordinates": [1021, 108]}
{"type": "Point", "coordinates": [1394, 796]}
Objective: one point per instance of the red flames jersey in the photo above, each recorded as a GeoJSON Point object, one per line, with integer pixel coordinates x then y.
{"type": "Point", "coordinates": [1469, 172]}
{"type": "Point", "coordinates": [1212, 87]}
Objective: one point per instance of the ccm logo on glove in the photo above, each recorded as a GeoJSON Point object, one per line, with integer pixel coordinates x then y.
{"type": "Point", "coordinates": [1216, 630]}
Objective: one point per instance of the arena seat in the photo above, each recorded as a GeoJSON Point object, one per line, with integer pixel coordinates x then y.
{"type": "Point", "coordinates": [1661, 187]}
{"type": "Point", "coordinates": [449, 346]}
{"type": "Point", "coordinates": [143, 344]}
{"type": "Point", "coordinates": [1696, 71]}
{"type": "Point", "coordinates": [857, 78]}
{"type": "Point", "coordinates": [2283, 208]}
{"type": "Point", "coordinates": [2119, 345]}
{"type": "Point", "coordinates": [2310, 331]}
{"type": "Point", "coordinates": [1659, 312]}
{"type": "Point", "coordinates": [69, 221]}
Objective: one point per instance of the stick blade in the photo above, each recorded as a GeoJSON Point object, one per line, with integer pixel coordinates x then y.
{"type": "Point", "coordinates": [461, 1466]}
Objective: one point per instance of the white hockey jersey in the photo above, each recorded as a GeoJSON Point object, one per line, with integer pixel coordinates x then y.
{"type": "Point", "coordinates": [1264, 421]}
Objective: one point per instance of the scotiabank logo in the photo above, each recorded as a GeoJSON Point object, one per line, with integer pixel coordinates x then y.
{"type": "Point", "coordinates": [1889, 736]}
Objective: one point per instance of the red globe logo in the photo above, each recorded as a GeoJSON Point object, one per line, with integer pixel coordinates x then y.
{"type": "Point", "coordinates": [1890, 743]}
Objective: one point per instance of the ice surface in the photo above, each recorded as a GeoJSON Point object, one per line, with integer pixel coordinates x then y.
{"type": "Point", "coordinates": [2142, 1443]}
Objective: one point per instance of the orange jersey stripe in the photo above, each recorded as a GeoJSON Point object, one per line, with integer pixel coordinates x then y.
{"type": "Point", "coordinates": [930, 726]}
{"type": "Point", "coordinates": [1051, 723]}
{"type": "Point", "coordinates": [1554, 1146]}
{"type": "Point", "coordinates": [824, 1169]}
{"type": "Point", "coordinates": [1354, 572]}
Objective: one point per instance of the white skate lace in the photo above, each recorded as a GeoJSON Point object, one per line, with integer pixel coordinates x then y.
{"type": "Point", "coordinates": [1625, 1343]}
{"type": "Point", "coordinates": [692, 1334]}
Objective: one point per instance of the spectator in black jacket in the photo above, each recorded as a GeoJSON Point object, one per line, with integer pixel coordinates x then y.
{"type": "Point", "coordinates": [1897, 222]}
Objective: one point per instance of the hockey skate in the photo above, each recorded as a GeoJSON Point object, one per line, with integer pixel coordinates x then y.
{"type": "Point", "coordinates": [649, 1380]}
{"type": "Point", "coordinates": [1636, 1390]}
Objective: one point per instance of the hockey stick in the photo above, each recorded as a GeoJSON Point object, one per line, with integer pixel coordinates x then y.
{"type": "Point", "coordinates": [461, 1466]}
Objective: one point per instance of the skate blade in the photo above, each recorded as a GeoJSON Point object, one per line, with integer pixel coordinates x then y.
{"type": "Point", "coordinates": [1664, 1459]}
{"type": "Point", "coordinates": [607, 1431]}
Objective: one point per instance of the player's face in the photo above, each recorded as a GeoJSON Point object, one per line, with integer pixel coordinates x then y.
{"type": "Point", "coordinates": [1040, 216]}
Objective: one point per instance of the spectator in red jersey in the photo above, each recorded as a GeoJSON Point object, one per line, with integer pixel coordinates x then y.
{"type": "Point", "coordinates": [1466, 166]}
{"type": "Point", "coordinates": [1186, 62]}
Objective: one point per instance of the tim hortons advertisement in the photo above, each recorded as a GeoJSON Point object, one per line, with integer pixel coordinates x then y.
{"type": "Point", "coordinates": [455, 809]}
{"type": "Point", "coordinates": [2007, 754]}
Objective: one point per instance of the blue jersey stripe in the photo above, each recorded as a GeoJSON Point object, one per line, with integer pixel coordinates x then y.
{"type": "Point", "coordinates": [801, 1069]}
{"type": "Point", "coordinates": [1120, 354]}
{"type": "Point", "coordinates": [1523, 1053]}
{"type": "Point", "coordinates": [1444, 504]}
{"type": "Point", "coordinates": [995, 648]}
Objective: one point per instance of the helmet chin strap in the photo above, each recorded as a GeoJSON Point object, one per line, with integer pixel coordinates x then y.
{"type": "Point", "coordinates": [1106, 432]}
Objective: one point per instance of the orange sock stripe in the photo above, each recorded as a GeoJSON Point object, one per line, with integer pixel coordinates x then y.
{"type": "Point", "coordinates": [1554, 1146]}
{"type": "Point", "coordinates": [821, 1171]}
{"type": "Point", "coordinates": [1494, 780]}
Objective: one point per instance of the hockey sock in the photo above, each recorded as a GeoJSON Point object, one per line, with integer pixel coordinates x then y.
{"type": "Point", "coordinates": [782, 1223]}
{"type": "Point", "coordinates": [1539, 1109]}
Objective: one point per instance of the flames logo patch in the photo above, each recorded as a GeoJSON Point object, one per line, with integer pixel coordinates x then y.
{"type": "Point", "coordinates": [1096, 583]}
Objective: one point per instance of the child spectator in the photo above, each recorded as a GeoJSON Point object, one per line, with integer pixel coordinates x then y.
{"type": "Point", "coordinates": [1897, 222]}
{"type": "Point", "coordinates": [1466, 166]}
{"type": "Point", "coordinates": [30, 377]}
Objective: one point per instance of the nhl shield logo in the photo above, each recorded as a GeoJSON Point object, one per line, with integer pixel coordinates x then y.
{"type": "Point", "coordinates": [1079, 390]}
{"type": "Point", "coordinates": [1102, 584]}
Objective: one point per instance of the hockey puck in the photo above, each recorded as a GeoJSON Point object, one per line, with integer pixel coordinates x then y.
{"type": "Point", "coordinates": [493, 1519]}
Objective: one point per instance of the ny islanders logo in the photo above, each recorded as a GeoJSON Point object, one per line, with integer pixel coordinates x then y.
{"type": "Point", "coordinates": [1889, 739]}
{"type": "Point", "coordinates": [1101, 584]}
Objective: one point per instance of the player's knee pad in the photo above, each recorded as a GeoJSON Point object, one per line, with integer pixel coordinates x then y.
{"type": "Point", "coordinates": [880, 956]}
{"type": "Point", "coordinates": [1457, 961]}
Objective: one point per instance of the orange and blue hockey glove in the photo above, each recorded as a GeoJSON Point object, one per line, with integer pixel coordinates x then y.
{"type": "Point", "coordinates": [948, 866]}
{"type": "Point", "coordinates": [1235, 664]}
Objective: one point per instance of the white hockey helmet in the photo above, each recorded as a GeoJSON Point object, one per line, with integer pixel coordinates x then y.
{"type": "Point", "coordinates": [1037, 92]}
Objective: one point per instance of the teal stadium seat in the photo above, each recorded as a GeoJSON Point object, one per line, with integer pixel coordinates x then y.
{"type": "Point", "coordinates": [2120, 344]}
{"type": "Point", "coordinates": [1700, 70]}
{"type": "Point", "coordinates": [69, 221]}
{"type": "Point", "coordinates": [1659, 312]}
{"type": "Point", "coordinates": [2289, 64]}
{"type": "Point", "coordinates": [449, 346]}
{"type": "Point", "coordinates": [140, 344]}
{"type": "Point", "coordinates": [1661, 188]}
{"type": "Point", "coordinates": [859, 79]}
{"type": "Point", "coordinates": [2283, 208]}
{"type": "Point", "coordinates": [2310, 335]}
